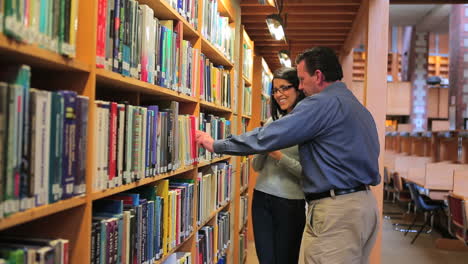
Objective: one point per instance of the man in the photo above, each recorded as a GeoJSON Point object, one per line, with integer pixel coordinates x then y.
{"type": "Point", "coordinates": [339, 149]}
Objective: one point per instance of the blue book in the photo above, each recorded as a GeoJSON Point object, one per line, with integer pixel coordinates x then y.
{"type": "Point", "coordinates": [82, 105]}
{"type": "Point", "coordinates": [56, 147]}
{"type": "Point", "coordinates": [150, 228]}
{"type": "Point", "coordinates": [69, 149]}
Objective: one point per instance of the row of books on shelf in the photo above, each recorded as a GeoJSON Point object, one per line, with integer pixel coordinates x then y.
{"type": "Point", "coordinates": [188, 9]}
{"type": "Point", "coordinates": [135, 142]}
{"type": "Point", "coordinates": [214, 189]}
{"type": "Point", "coordinates": [205, 243]}
{"type": "Point", "coordinates": [267, 80]}
{"type": "Point", "coordinates": [247, 62]}
{"type": "Point", "coordinates": [20, 250]}
{"type": "Point", "coordinates": [51, 24]}
{"type": "Point", "coordinates": [243, 210]}
{"type": "Point", "coordinates": [247, 101]}
{"type": "Point", "coordinates": [132, 42]}
{"type": "Point", "coordinates": [215, 83]}
{"type": "Point", "coordinates": [142, 225]}
{"type": "Point", "coordinates": [265, 111]}
{"type": "Point", "coordinates": [244, 171]}
{"type": "Point", "coordinates": [218, 128]}
{"type": "Point", "coordinates": [45, 138]}
{"type": "Point", "coordinates": [216, 29]}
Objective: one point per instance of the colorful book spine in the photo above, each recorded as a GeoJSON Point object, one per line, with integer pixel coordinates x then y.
{"type": "Point", "coordinates": [69, 146]}
{"type": "Point", "coordinates": [82, 108]}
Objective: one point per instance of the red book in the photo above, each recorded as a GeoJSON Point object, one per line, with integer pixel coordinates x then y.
{"type": "Point", "coordinates": [112, 141]}
{"type": "Point", "coordinates": [101, 34]}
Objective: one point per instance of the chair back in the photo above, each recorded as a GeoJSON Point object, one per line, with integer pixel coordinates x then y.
{"type": "Point", "coordinates": [397, 182]}
{"type": "Point", "coordinates": [416, 197]}
{"type": "Point", "coordinates": [455, 205]}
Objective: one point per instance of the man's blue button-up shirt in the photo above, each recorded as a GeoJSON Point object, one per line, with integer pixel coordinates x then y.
{"type": "Point", "coordinates": [337, 138]}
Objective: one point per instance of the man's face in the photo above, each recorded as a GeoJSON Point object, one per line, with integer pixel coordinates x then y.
{"type": "Point", "coordinates": [307, 83]}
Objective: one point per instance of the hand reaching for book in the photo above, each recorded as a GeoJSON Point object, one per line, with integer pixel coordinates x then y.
{"type": "Point", "coordinates": [205, 140]}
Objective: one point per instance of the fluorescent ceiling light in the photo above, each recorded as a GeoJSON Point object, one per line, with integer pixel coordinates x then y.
{"type": "Point", "coordinates": [275, 26]}
{"type": "Point", "coordinates": [284, 59]}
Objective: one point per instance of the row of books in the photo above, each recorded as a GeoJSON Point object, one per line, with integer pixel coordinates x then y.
{"type": "Point", "coordinates": [179, 258]}
{"type": "Point", "coordinates": [265, 111]}
{"type": "Point", "coordinates": [245, 171]}
{"type": "Point", "coordinates": [267, 80]}
{"type": "Point", "coordinates": [247, 101]}
{"type": "Point", "coordinates": [51, 24]}
{"type": "Point", "coordinates": [243, 210]}
{"type": "Point", "coordinates": [20, 250]}
{"type": "Point", "coordinates": [135, 142]}
{"type": "Point", "coordinates": [214, 189]}
{"type": "Point", "coordinates": [215, 83]}
{"type": "Point", "coordinates": [133, 42]}
{"type": "Point", "coordinates": [216, 28]}
{"type": "Point", "coordinates": [205, 245]}
{"type": "Point", "coordinates": [142, 225]}
{"type": "Point", "coordinates": [217, 127]}
{"type": "Point", "coordinates": [187, 9]}
{"type": "Point", "coordinates": [45, 139]}
{"type": "Point", "coordinates": [247, 62]}
{"type": "Point", "coordinates": [224, 234]}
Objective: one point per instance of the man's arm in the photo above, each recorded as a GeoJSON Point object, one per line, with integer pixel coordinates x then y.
{"type": "Point", "coordinates": [308, 119]}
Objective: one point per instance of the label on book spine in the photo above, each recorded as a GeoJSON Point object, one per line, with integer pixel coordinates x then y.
{"type": "Point", "coordinates": [1, 203]}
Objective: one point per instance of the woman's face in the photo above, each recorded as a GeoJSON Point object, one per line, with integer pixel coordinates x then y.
{"type": "Point", "coordinates": [284, 94]}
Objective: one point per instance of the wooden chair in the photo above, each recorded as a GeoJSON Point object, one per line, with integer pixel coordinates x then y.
{"type": "Point", "coordinates": [458, 218]}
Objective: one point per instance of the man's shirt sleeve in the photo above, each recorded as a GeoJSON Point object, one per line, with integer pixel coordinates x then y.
{"type": "Point", "coordinates": [309, 118]}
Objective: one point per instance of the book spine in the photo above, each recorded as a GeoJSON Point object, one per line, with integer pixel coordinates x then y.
{"type": "Point", "coordinates": [56, 148]}
{"type": "Point", "coordinates": [112, 143]}
{"type": "Point", "coordinates": [101, 34]}
{"type": "Point", "coordinates": [82, 108]}
{"type": "Point", "coordinates": [69, 147]}
{"type": "Point", "coordinates": [120, 141]}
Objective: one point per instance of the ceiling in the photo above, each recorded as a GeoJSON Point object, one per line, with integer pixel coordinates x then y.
{"type": "Point", "coordinates": [308, 23]}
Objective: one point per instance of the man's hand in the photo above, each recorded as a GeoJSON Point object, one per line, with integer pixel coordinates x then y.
{"type": "Point", "coordinates": [205, 140]}
{"type": "Point", "coordinates": [277, 155]}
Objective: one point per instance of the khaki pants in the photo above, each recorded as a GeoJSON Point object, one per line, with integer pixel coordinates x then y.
{"type": "Point", "coordinates": [340, 229]}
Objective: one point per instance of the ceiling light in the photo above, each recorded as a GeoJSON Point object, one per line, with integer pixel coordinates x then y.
{"type": "Point", "coordinates": [284, 58]}
{"type": "Point", "coordinates": [275, 25]}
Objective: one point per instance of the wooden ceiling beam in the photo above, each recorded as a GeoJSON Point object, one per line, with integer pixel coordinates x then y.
{"type": "Point", "coordinates": [261, 23]}
{"type": "Point", "coordinates": [293, 31]}
{"type": "Point", "coordinates": [300, 35]}
{"type": "Point", "coordinates": [319, 19]}
{"type": "Point", "coordinates": [301, 10]}
{"type": "Point", "coordinates": [307, 2]}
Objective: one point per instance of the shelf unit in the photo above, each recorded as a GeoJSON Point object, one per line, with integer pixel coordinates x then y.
{"type": "Point", "coordinates": [393, 66]}
{"type": "Point", "coordinates": [71, 218]}
{"type": "Point", "coordinates": [438, 66]}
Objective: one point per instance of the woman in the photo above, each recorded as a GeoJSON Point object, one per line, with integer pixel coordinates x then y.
{"type": "Point", "coordinates": [278, 206]}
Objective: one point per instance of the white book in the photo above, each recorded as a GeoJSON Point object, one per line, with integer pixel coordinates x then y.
{"type": "Point", "coordinates": [97, 169]}
{"type": "Point", "coordinates": [144, 118]}
{"type": "Point", "coordinates": [41, 123]}
{"type": "Point", "coordinates": [128, 144]}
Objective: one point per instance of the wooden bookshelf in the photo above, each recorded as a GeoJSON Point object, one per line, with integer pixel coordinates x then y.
{"type": "Point", "coordinates": [33, 55]}
{"type": "Point", "coordinates": [41, 211]}
{"type": "Point", "coordinates": [247, 81]}
{"type": "Point", "coordinates": [109, 192]}
{"type": "Point", "coordinates": [204, 105]}
{"type": "Point", "coordinates": [206, 163]}
{"type": "Point", "coordinates": [115, 80]}
{"type": "Point", "coordinates": [438, 66]}
{"type": "Point", "coordinates": [71, 219]}
{"type": "Point", "coordinates": [214, 54]}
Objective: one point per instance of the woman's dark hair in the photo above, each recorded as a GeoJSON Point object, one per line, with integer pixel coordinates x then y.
{"type": "Point", "coordinates": [290, 75]}
{"type": "Point", "coordinates": [323, 59]}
